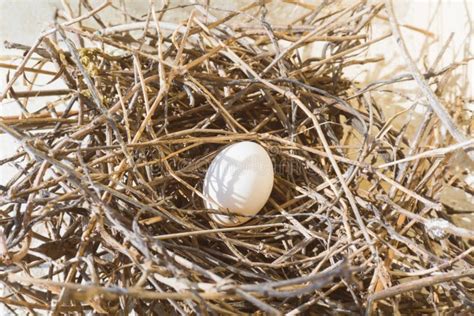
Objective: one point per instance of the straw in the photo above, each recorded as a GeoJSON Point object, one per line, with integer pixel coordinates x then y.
{"type": "Point", "coordinates": [106, 213]}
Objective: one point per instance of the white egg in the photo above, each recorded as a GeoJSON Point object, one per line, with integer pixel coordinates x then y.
{"type": "Point", "coordinates": [239, 180]}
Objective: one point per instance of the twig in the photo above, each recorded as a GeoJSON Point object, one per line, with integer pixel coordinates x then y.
{"type": "Point", "coordinates": [420, 283]}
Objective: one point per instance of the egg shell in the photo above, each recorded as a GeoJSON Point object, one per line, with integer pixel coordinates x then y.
{"type": "Point", "coordinates": [239, 180]}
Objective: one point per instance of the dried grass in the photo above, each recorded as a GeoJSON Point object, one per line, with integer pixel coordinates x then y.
{"type": "Point", "coordinates": [113, 182]}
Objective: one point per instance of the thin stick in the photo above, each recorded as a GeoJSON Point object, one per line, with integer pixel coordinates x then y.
{"type": "Point", "coordinates": [29, 69]}
{"type": "Point", "coordinates": [216, 230]}
{"type": "Point", "coordinates": [431, 153]}
{"type": "Point", "coordinates": [421, 283]}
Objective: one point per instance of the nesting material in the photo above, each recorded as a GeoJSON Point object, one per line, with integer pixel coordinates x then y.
{"type": "Point", "coordinates": [106, 212]}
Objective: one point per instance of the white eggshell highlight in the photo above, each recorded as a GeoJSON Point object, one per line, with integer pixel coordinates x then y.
{"type": "Point", "coordinates": [239, 180]}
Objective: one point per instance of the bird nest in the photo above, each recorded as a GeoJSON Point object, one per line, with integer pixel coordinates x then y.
{"type": "Point", "coordinates": [106, 212]}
